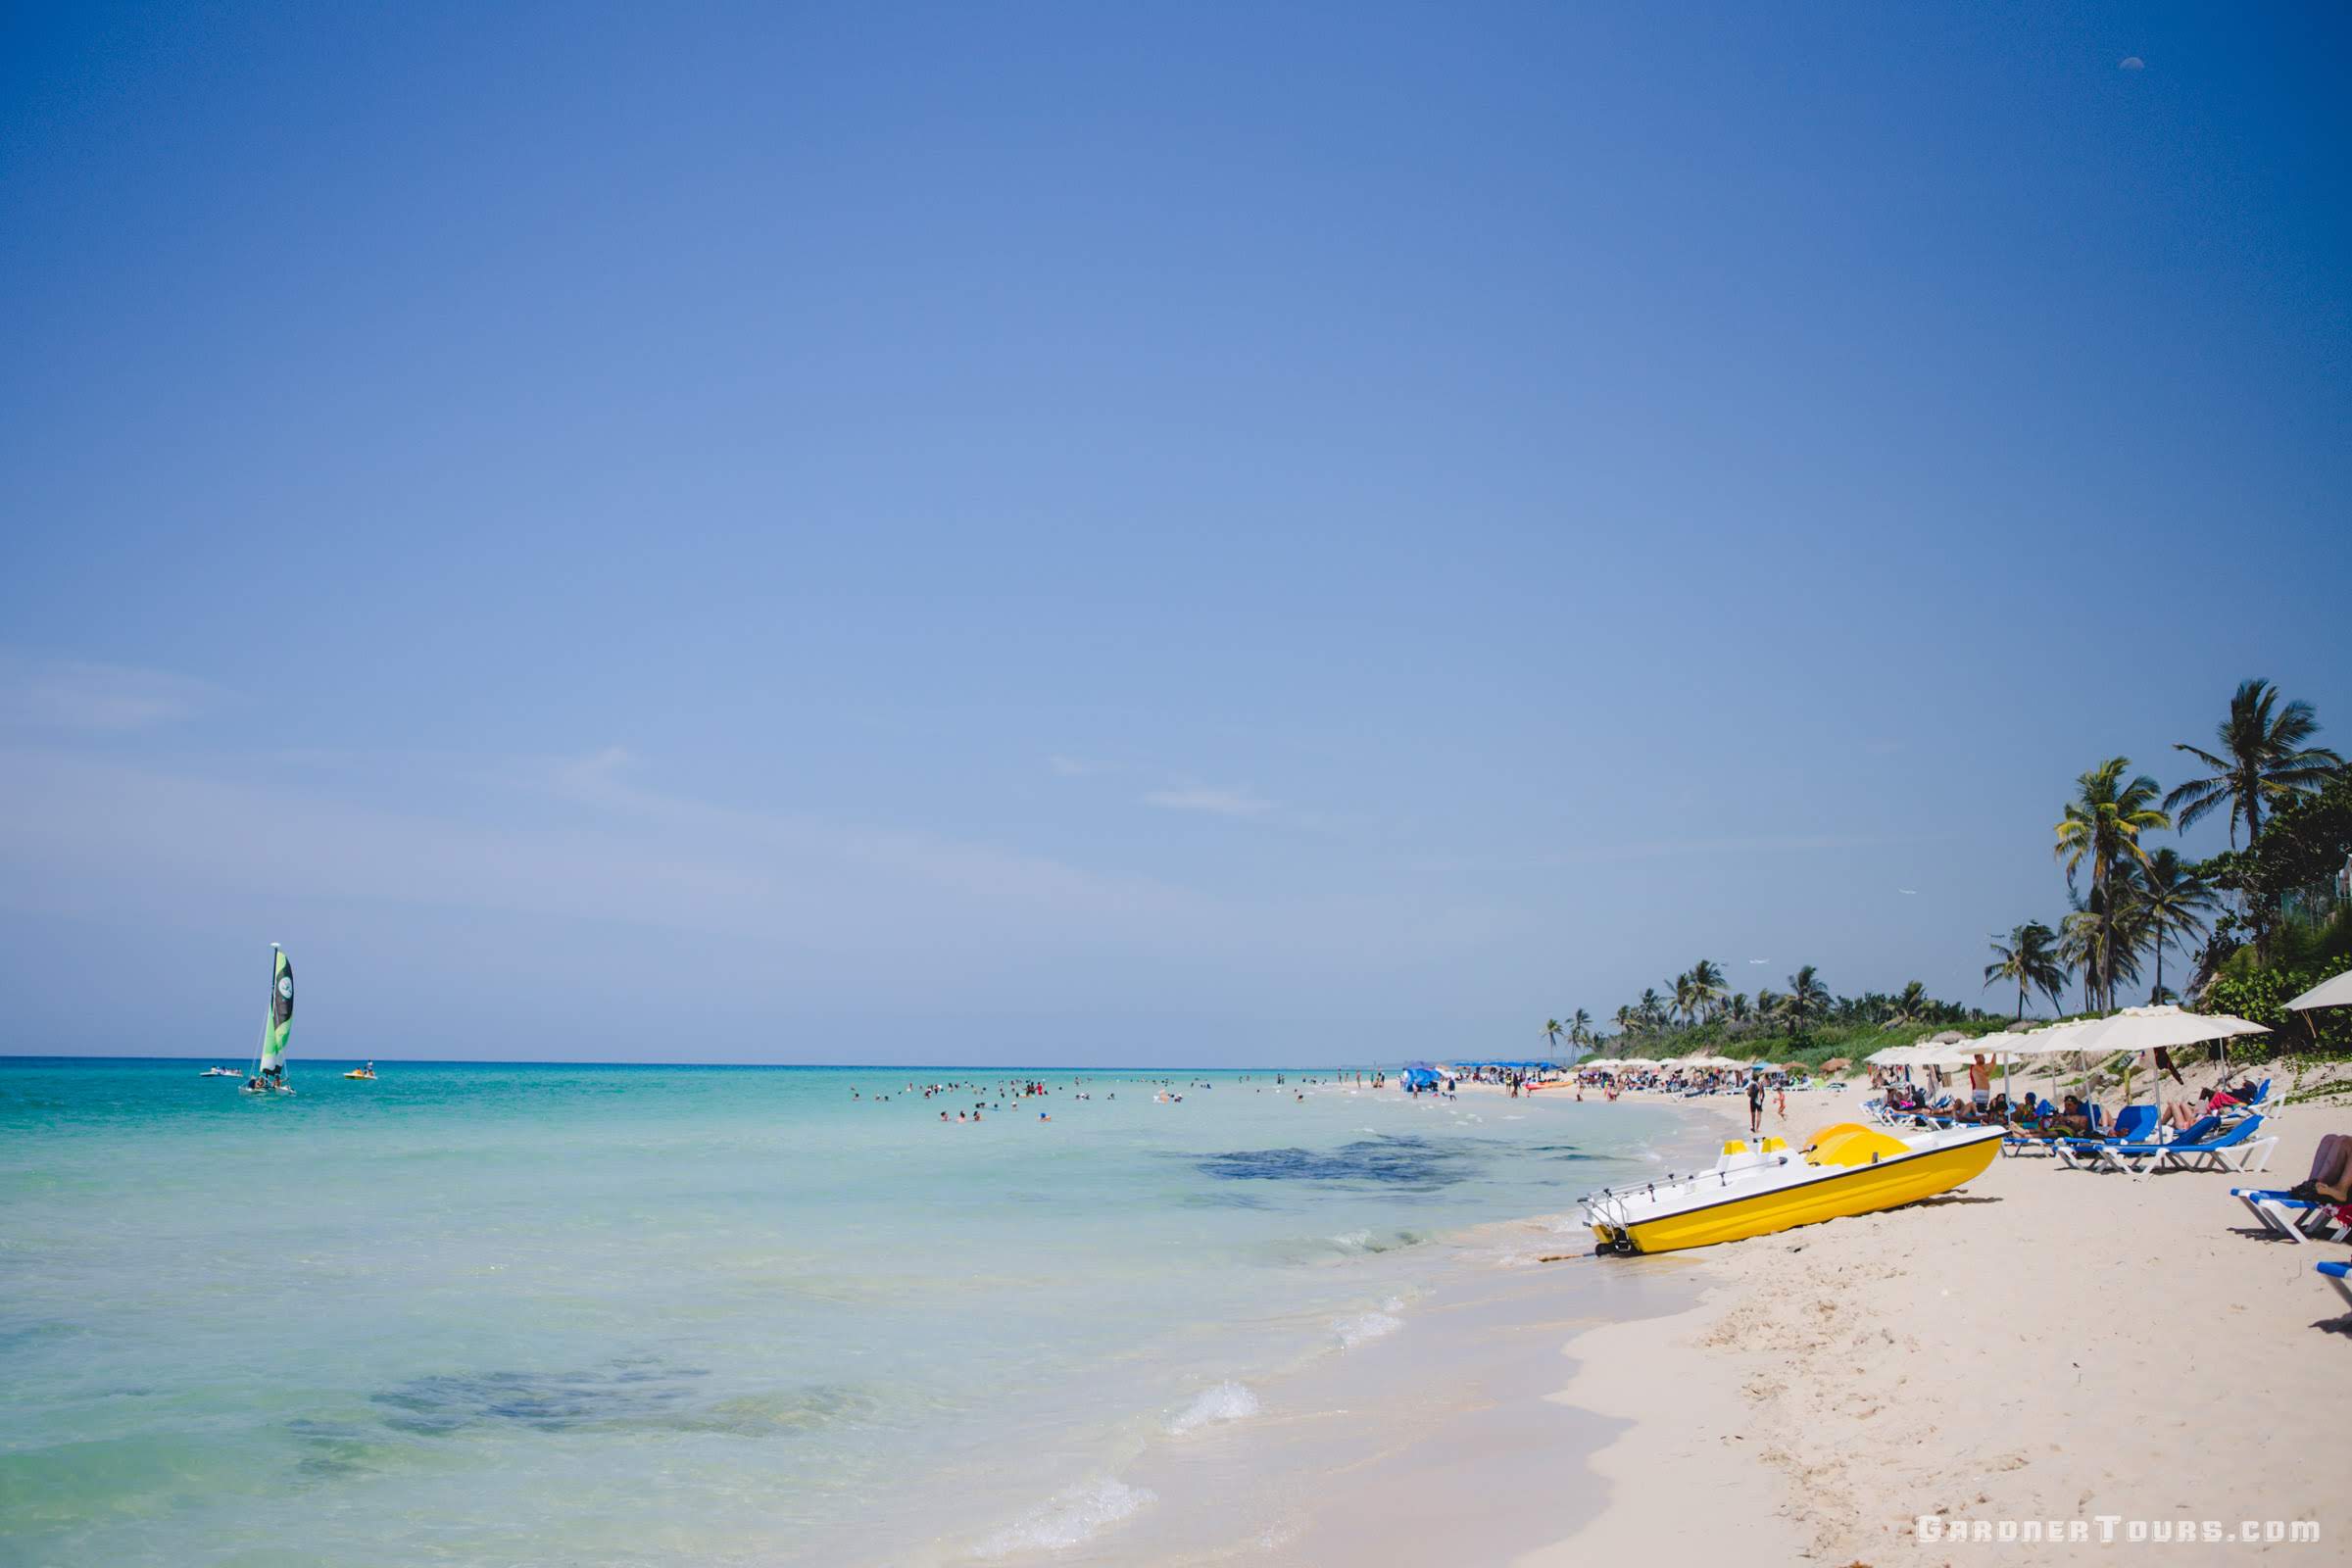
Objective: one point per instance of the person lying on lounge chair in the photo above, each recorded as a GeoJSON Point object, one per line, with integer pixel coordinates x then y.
{"type": "Point", "coordinates": [2331, 1172]}
{"type": "Point", "coordinates": [2223, 1096]}
{"type": "Point", "coordinates": [2072, 1121]}
{"type": "Point", "coordinates": [2180, 1114]}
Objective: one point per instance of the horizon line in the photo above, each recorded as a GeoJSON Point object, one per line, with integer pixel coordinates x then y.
{"type": "Point", "coordinates": [809, 1066]}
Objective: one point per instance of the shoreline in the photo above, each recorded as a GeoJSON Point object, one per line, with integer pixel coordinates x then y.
{"type": "Point", "coordinates": [1437, 1436]}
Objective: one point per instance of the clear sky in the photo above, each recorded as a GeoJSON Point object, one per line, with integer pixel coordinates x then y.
{"type": "Point", "coordinates": [1016, 534]}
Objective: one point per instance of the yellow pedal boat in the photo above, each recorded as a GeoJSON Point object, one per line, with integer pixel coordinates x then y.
{"type": "Point", "coordinates": [1754, 1190]}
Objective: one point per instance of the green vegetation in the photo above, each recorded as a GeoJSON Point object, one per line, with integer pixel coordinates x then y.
{"type": "Point", "coordinates": [1808, 1022]}
{"type": "Point", "coordinates": [2254, 925]}
{"type": "Point", "coordinates": [2263, 762]}
{"type": "Point", "coordinates": [2253, 920]}
{"type": "Point", "coordinates": [2103, 824]}
{"type": "Point", "coordinates": [2030, 963]}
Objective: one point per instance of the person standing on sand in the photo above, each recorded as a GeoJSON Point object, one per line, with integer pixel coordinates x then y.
{"type": "Point", "coordinates": [1755, 1105]}
{"type": "Point", "coordinates": [1979, 1081]}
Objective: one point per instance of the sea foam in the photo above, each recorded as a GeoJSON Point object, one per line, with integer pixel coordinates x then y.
{"type": "Point", "coordinates": [1227, 1401]}
{"type": "Point", "coordinates": [1366, 1327]}
{"type": "Point", "coordinates": [1067, 1519]}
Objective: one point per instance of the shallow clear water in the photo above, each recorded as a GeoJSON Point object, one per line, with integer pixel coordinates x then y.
{"type": "Point", "coordinates": [618, 1315]}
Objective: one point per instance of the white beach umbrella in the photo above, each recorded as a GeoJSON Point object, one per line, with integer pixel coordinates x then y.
{"type": "Point", "coordinates": [1992, 1048]}
{"type": "Point", "coordinates": [2162, 1027]}
{"type": "Point", "coordinates": [2047, 1039]}
{"type": "Point", "coordinates": [2056, 1040]}
{"type": "Point", "coordinates": [2150, 1029]}
{"type": "Point", "coordinates": [2335, 993]}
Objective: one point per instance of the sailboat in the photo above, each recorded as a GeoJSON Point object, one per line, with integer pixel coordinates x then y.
{"type": "Point", "coordinates": [270, 1067]}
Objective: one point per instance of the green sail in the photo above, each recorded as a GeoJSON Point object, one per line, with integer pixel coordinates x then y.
{"type": "Point", "coordinates": [279, 1021]}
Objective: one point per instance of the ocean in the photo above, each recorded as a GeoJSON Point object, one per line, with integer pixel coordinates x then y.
{"type": "Point", "coordinates": [604, 1315]}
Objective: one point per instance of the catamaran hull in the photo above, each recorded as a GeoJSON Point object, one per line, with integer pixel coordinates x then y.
{"type": "Point", "coordinates": [1817, 1194]}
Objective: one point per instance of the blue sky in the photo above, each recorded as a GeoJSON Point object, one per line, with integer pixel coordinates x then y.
{"type": "Point", "coordinates": [1064, 533]}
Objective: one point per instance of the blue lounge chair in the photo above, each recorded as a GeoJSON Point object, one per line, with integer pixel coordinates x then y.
{"type": "Point", "coordinates": [2298, 1219]}
{"type": "Point", "coordinates": [2025, 1141]}
{"type": "Point", "coordinates": [2338, 1275]}
{"type": "Point", "coordinates": [2216, 1152]}
{"type": "Point", "coordinates": [2132, 1124]}
{"type": "Point", "coordinates": [2234, 1149]}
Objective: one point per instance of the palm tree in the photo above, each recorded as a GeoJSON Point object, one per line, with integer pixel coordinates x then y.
{"type": "Point", "coordinates": [1686, 997]}
{"type": "Point", "coordinates": [2103, 824]}
{"type": "Point", "coordinates": [1738, 1006]}
{"type": "Point", "coordinates": [2104, 944]}
{"type": "Point", "coordinates": [2171, 902]}
{"type": "Point", "coordinates": [1706, 985]}
{"type": "Point", "coordinates": [1624, 1019]}
{"type": "Point", "coordinates": [1808, 997]}
{"type": "Point", "coordinates": [2262, 760]}
{"type": "Point", "coordinates": [1551, 1035]}
{"type": "Point", "coordinates": [1650, 1008]}
{"type": "Point", "coordinates": [1579, 1028]}
{"type": "Point", "coordinates": [2031, 964]}
{"type": "Point", "coordinates": [1912, 1004]}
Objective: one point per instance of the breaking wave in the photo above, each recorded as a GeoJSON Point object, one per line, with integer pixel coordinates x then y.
{"type": "Point", "coordinates": [1227, 1401]}
{"type": "Point", "coordinates": [1366, 1327]}
{"type": "Point", "coordinates": [1067, 1519]}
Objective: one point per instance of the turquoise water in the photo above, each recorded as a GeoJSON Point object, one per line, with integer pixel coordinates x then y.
{"type": "Point", "coordinates": [626, 1315]}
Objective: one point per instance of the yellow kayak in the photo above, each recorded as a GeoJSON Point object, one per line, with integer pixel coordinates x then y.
{"type": "Point", "coordinates": [1845, 1169]}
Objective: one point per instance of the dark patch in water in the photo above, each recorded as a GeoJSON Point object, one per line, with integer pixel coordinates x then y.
{"type": "Point", "coordinates": [1414, 1165]}
{"type": "Point", "coordinates": [626, 1391]}
{"type": "Point", "coordinates": [1224, 1200]}
{"type": "Point", "coordinates": [35, 1334]}
{"type": "Point", "coordinates": [794, 1411]}
{"type": "Point", "coordinates": [1392, 1244]}
{"type": "Point", "coordinates": [334, 1450]}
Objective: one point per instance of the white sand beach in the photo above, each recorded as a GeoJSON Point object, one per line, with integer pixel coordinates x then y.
{"type": "Point", "coordinates": [2046, 1345]}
